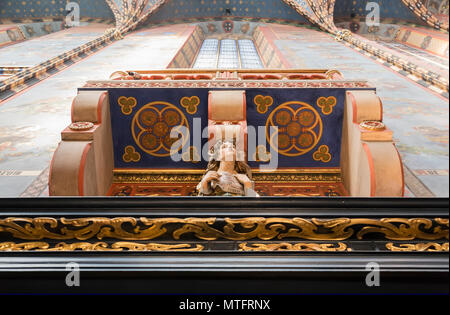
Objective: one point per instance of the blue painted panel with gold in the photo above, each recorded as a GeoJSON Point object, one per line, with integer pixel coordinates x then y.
{"type": "Point", "coordinates": [142, 120]}
{"type": "Point", "coordinates": [309, 123]}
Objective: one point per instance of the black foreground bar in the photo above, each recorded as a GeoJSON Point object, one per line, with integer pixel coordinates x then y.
{"type": "Point", "coordinates": [221, 268]}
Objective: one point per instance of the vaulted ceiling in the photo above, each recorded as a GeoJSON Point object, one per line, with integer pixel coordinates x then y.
{"type": "Point", "coordinates": [300, 11]}
{"type": "Point", "coordinates": [23, 9]}
{"type": "Point", "coordinates": [185, 9]}
{"type": "Point", "coordinates": [275, 10]}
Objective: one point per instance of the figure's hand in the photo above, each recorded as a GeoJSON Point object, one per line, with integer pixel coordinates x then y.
{"type": "Point", "coordinates": [244, 180]}
{"type": "Point", "coordinates": [209, 177]}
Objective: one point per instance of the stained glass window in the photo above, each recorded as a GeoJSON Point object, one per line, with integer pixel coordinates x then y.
{"type": "Point", "coordinates": [228, 54]}
{"type": "Point", "coordinates": [249, 55]}
{"type": "Point", "coordinates": [207, 57]}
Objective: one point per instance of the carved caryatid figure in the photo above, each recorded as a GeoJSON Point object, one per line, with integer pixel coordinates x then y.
{"type": "Point", "coordinates": [225, 175]}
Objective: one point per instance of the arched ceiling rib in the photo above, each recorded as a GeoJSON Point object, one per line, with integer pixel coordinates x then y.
{"type": "Point", "coordinates": [130, 13]}
{"type": "Point", "coordinates": [425, 14]}
{"type": "Point", "coordinates": [319, 12]}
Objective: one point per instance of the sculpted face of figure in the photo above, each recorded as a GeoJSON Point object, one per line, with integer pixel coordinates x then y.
{"type": "Point", "coordinates": [227, 152]}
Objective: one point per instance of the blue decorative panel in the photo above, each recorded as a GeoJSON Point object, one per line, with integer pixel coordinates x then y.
{"type": "Point", "coordinates": [309, 123]}
{"type": "Point", "coordinates": [143, 118]}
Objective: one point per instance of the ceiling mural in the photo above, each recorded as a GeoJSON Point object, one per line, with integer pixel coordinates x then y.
{"type": "Point", "coordinates": [389, 9]}
{"type": "Point", "coordinates": [35, 9]}
{"type": "Point", "coordinates": [129, 14]}
{"type": "Point", "coordinates": [272, 10]}
{"type": "Point", "coordinates": [434, 12]}
{"type": "Point", "coordinates": [191, 10]}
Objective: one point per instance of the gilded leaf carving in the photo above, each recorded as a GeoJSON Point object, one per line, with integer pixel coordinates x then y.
{"type": "Point", "coordinates": [240, 229]}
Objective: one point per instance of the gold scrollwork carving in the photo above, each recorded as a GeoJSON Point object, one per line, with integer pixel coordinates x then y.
{"type": "Point", "coordinates": [129, 228]}
{"type": "Point", "coordinates": [278, 177]}
{"type": "Point", "coordinates": [297, 247]}
{"type": "Point", "coordinates": [99, 246]}
{"type": "Point", "coordinates": [422, 247]}
{"type": "Point", "coordinates": [11, 246]}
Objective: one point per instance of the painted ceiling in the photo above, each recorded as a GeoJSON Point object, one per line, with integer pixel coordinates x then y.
{"type": "Point", "coordinates": [389, 9]}
{"type": "Point", "coordinates": [197, 9]}
{"type": "Point", "coordinates": [204, 9]}
{"type": "Point", "coordinates": [139, 12]}
{"type": "Point", "coordinates": [22, 9]}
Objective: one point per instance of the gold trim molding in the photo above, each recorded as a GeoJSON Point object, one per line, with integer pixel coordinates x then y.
{"type": "Point", "coordinates": [210, 229]}
{"type": "Point", "coordinates": [321, 175]}
{"type": "Point", "coordinates": [99, 246]}
{"type": "Point", "coordinates": [296, 247]}
{"type": "Point", "coordinates": [422, 247]}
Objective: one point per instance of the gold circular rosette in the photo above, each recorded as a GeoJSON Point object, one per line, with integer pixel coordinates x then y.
{"type": "Point", "coordinates": [297, 129]}
{"type": "Point", "coordinates": [152, 127]}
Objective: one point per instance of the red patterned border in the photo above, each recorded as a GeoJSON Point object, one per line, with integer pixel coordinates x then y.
{"type": "Point", "coordinates": [226, 84]}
